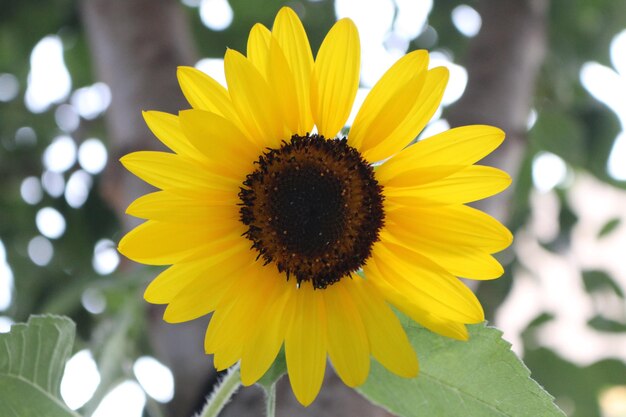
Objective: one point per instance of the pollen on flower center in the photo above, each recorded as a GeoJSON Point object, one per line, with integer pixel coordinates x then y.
{"type": "Point", "coordinates": [313, 208]}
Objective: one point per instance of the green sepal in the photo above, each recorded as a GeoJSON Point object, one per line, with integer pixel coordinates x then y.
{"type": "Point", "coordinates": [277, 370]}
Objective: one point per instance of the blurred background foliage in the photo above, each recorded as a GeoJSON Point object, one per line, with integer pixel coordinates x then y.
{"type": "Point", "coordinates": [564, 284]}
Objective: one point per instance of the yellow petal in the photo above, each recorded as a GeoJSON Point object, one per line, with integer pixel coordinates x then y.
{"type": "Point", "coordinates": [305, 344]}
{"type": "Point", "coordinates": [160, 243]}
{"type": "Point", "coordinates": [292, 38]}
{"type": "Point", "coordinates": [469, 184]}
{"type": "Point", "coordinates": [378, 149]}
{"type": "Point", "coordinates": [232, 337]}
{"type": "Point", "coordinates": [282, 82]}
{"type": "Point", "coordinates": [264, 343]}
{"type": "Point", "coordinates": [221, 142]}
{"type": "Point", "coordinates": [204, 93]}
{"type": "Point", "coordinates": [244, 287]}
{"type": "Point", "coordinates": [166, 128]}
{"type": "Point", "coordinates": [348, 346]}
{"type": "Point", "coordinates": [405, 303]}
{"type": "Point", "coordinates": [431, 287]}
{"type": "Point", "coordinates": [258, 47]}
{"type": "Point", "coordinates": [208, 197]}
{"type": "Point", "coordinates": [171, 281]}
{"type": "Point", "coordinates": [227, 357]}
{"type": "Point", "coordinates": [387, 339]}
{"type": "Point", "coordinates": [241, 307]}
{"type": "Point", "coordinates": [169, 207]}
{"type": "Point", "coordinates": [464, 262]}
{"type": "Point", "coordinates": [400, 76]}
{"type": "Point", "coordinates": [173, 172]}
{"type": "Point", "coordinates": [202, 294]}
{"type": "Point", "coordinates": [395, 114]}
{"type": "Point", "coordinates": [335, 78]}
{"type": "Point", "coordinates": [457, 147]}
{"type": "Point", "coordinates": [214, 337]}
{"type": "Point", "coordinates": [172, 208]}
{"type": "Point", "coordinates": [416, 176]}
{"type": "Point", "coordinates": [452, 225]}
{"type": "Point", "coordinates": [461, 261]}
{"type": "Point", "coordinates": [254, 100]}
{"type": "Point", "coordinates": [445, 328]}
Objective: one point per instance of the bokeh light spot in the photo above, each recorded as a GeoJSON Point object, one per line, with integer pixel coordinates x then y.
{"type": "Point", "coordinates": [92, 155]}
{"type": "Point", "coordinates": [466, 20]}
{"type": "Point", "coordinates": [53, 183]}
{"type": "Point", "coordinates": [40, 251]}
{"type": "Point", "coordinates": [6, 280]}
{"type": "Point", "coordinates": [548, 171]}
{"type": "Point", "coordinates": [5, 324]}
{"type": "Point", "coordinates": [91, 101]}
{"type": "Point", "coordinates": [93, 300]}
{"type": "Point", "coordinates": [105, 257]}
{"type": "Point", "coordinates": [50, 223]}
{"type": "Point", "coordinates": [216, 14]}
{"type": "Point", "coordinates": [77, 189]}
{"type": "Point", "coordinates": [25, 136]}
{"type": "Point", "coordinates": [9, 87]}
{"type": "Point", "coordinates": [411, 17]}
{"type": "Point", "coordinates": [80, 380]}
{"type": "Point", "coordinates": [31, 190]}
{"type": "Point", "coordinates": [155, 378]}
{"type": "Point", "coordinates": [49, 80]}
{"type": "Point", "coordinates": [616, 165]}
{"type": "Point", "coordinates": [125, 400]}
{"type": "Point", "coordinates": [60, 155]}
{"type": "Point", "coordinates": [66, 118]}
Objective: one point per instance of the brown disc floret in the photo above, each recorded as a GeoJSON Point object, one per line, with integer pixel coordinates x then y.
{"type": "Point", "coordinates": [313, 208]}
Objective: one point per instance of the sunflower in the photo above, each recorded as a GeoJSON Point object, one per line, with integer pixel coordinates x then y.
{"type": "Point", "coordinates": [293, 236]}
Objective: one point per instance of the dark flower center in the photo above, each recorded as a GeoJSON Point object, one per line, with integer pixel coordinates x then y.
{"type": "Point", "coordinates": [313, 208]}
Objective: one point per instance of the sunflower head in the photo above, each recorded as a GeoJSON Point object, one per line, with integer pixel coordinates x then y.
{"type": "Point", "coordinates": [264, 216]}
{"type": "Point", "coordinates": [313, 208]}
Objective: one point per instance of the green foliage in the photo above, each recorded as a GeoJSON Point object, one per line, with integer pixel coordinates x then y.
{"type": "Point", "coordinates": [604, 324]}
{"type": "Point", "coordinates": [560, 133]}
{"type": "Point", "coordinates": [575, 387]}
{"type": "Point", "coordinates": [609, 227]}
{"type": "Point", "coordinates": [32, 360]}
{"type": "Point", "coordinates": [479, 378]}
{"type": "Point", "coordinates": [596, 280]}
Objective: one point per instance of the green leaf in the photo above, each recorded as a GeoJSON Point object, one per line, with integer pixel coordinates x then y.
{"type": "Point", "coordinates": [604, 324]}
{"type": "Point", "coordinates": [609, 227]}
{"type": "Point", "coordinates": [32, 361]}
{"type": "Point", "coordinates": [478, 378]}
{"type": "Point", "coordinates": [598, 280]}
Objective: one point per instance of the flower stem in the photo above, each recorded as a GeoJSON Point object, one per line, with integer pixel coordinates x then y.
{"type": "Point", "coordinates": [222, 393]}
{"type": "Point", "coordinates": [270, 400]}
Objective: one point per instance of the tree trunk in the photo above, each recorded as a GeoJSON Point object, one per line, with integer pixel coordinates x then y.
{"type": "Point", "coordinates": [136, 46]}
{"type": "Point", "coordinates": [503, 62]}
